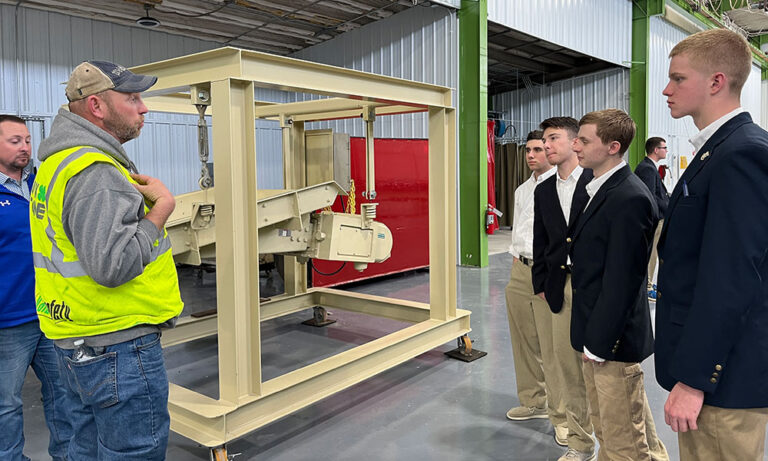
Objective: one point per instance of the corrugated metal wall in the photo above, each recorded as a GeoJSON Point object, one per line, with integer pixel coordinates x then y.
{"type": "Point", "coordinates": [599, 28]}
{"type": "Point", "coordinates": [48, 47]}
{"type": "Point", "coordinates": [574, 97]}
{"type": "Point", "coordinates": [418, 44]}
{"type": "Point", "coordinates": [664, 36]}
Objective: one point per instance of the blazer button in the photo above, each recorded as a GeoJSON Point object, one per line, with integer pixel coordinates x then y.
{"type": "Point", "coordinates": [715, 375]}
{"type": "Point", "coordinates": [661, 261]}
{"type": "Point", "coordinates": [718, 367]}
{"type": "Point", "coordinates": [562, 267]}
{"type": "Point", "coordinates": [713, 380]}
{"type": "Point", "coordinates": [658, 295]}
{"type": "Point", "coordinates": [568, 240]}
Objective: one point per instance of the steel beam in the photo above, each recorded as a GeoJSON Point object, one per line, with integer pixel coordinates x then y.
{"type": "Point", "coordinates": [212, 423]}
{"type": "Point", "coordinates": [642, 11]}
{"type": "Point", "coordinates": [473, 116]}
{"type": "Point", "coordinates": [237, 270]}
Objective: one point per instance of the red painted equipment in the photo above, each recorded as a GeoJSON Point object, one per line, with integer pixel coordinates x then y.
{"type": "Point", "coordinates": [402, 194]}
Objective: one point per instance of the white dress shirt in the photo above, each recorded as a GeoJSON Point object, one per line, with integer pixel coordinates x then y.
{"type": "Point", "coordinates": [522, 223]}
{"type": "Point", "coordinates": [597, 182]}
{"type": "Point", "coordinates": [703, 136]}
{"type": "Point", "coordinates": [565, 190]}
{"type": "Point", "coordinates": [592, 188]}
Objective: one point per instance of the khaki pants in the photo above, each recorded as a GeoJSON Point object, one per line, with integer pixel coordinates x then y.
{"type": "Point", "coordinates": [725, 434]}
{"type": "Point", "coordinates": [570, 382]}
{"type": "Point", "coordinates": [529, 320]}
{"type": "Point", "coordinates": [654, 254]}
{"type": "Point", "coordinates": [620, 413]}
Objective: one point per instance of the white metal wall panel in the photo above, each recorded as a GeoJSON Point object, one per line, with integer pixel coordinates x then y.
{"type": "Point", "coordinates": [574, 97]}
{"type": "Point", "coordinates": [664, 36]}
{"type": "Point", "coordinates": [599, 28]}
{"type": "Point", "coordinates": [51, 44]}
{"type": "Point", "coordinates": [418, 44]}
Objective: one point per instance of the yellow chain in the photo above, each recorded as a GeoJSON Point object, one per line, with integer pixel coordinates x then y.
{"type": "Point", "coordinates": [351, 198]}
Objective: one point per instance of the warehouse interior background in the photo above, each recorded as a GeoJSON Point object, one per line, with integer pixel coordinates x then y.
{"type": "Point", "coordinates": [515, 62]}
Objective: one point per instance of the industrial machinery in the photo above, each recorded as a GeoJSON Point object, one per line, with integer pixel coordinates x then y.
{"type": "Point", "coordinates": [245, 222]}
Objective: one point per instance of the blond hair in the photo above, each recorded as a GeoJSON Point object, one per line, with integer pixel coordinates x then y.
{"type": "Point", "coordinates": [612, 125]}
{"type": "Point", "coordinates": [718, 50]}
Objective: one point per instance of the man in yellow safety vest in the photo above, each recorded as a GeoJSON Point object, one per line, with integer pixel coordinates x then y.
{"type": "Point", "coordinates": [105, 278]}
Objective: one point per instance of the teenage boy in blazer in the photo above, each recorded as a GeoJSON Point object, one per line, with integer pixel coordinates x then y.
{"type": "Point", "coordinates": [712, 307]}
{"type": "Point", "coordinates": [557, 204]}
{"type": "Point", "coordinates": [611, 321]}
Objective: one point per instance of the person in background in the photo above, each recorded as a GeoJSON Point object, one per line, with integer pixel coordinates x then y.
{"type": "Point", "coordinates": [558, 202]}
{"type": "Point", "coordinates": [22, 344]}
{"type": "Point", "coordinates": [648, 171]}
{"type": "Point", "coordinates": [527, 313]}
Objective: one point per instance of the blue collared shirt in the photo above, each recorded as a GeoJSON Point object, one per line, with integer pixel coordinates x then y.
{"type": "Point", "coordinates": [14, 186]}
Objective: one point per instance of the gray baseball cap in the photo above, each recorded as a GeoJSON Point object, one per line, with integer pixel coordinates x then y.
{"type": "Point", "coordinates": [93, 77]}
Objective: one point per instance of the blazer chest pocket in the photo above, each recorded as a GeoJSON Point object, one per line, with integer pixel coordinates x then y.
{"type": "Point", "coordinates": [689, 213]}
{"type": "Point", "coordinates": [678, 314]}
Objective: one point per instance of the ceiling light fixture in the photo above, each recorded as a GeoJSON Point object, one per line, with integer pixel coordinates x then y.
{"type": "Point", "coordinates": [147, 21]}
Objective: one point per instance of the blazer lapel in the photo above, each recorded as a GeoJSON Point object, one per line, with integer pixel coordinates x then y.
{"type": "Point", "coordinates": [600, 197]}
{"type": "Point", "coordinates": [701, 160]}
{"type": "Point", "coordinates": [580, 198]}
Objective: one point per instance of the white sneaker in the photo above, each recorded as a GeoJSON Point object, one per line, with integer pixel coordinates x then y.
{"type": "Point", "coordinates": [574, 455]}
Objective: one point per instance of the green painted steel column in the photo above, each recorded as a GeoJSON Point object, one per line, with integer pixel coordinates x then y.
{"type": "Point", "coordinates": [473, 115]}
{"type": "Point", "coordinates": [642, 10]}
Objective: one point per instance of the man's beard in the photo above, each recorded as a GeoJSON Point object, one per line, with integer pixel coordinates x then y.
{"type": "Point", "coordinates": [122, 130]}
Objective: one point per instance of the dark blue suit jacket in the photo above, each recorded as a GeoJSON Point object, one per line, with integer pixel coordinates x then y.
{"type": "Point", "coordinates": [550, 231]}
{"type": "Point", "coordinates": [611, 245]}
{"type": "Point", "coordinates": [647, 171]}
{"type": "Point", "coordinates": [712, 307]}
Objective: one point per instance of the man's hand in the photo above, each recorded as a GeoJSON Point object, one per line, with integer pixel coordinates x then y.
{"type": "Point", "coordinates": [542, 296]}
{"type": "Point", "coordinates": [683, 407]}
{"type": "Point", "coordinates": [161, 199]}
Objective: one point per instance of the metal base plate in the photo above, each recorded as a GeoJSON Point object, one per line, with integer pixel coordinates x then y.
{"type": "Point", "coordinates": [460, 354]}
{"type": "Point", "coordinates": [316, 323]}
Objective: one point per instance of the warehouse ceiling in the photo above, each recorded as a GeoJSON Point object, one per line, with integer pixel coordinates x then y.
{"type": "Point", "coordinates": [276, 26]}
{"type": "Point", "coordinates": [517, 60]}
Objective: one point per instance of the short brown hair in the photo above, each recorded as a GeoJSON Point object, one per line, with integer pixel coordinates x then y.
{"type": "Point", "coordinates": [652, 143]}
{"type": "Point", "coordinates": [12, 119]}
{"type": "Point", "coordinates": [718, 50]}
{"type": "Point", "coordinates": [568, 124]}
{"type": "Point", "coordinates": [612, 125]}
{"type": "Point", "coordinates": [535, 135]}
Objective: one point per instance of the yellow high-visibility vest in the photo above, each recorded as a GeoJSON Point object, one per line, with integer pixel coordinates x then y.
{"type": "Point", "coordinates": [69, 302]}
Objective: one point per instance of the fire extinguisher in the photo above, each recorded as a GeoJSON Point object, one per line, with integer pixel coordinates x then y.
{"type": "Point", "coordinates": [491, 219]}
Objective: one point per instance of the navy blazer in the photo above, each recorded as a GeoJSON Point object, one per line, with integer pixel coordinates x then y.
{"type": "Point", "coordinates": [609, 251]}
{"type": "Point", "coordinates": [647, 171]}
{"type": "Point", "coordinates": [712, 307]}
{"type": "Point", "coordinates": [550, 249]}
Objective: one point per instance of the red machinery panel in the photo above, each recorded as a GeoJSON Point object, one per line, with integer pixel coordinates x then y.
{"type": "Point", "coordinates": [402, 194]}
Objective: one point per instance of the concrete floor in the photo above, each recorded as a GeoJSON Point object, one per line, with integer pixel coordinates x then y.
{"type": "Point", "coordinates": [429, 408]}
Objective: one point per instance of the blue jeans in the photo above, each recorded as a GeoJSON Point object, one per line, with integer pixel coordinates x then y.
{"type": "Point", "coordinates": [122, 402]}
{"type": "Point", "coordinates": [23, 346]}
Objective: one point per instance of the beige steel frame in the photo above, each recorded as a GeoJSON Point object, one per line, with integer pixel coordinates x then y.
{"type": "Point", "coordinates": [246, 402]}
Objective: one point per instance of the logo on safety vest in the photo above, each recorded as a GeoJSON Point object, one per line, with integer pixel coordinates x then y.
{"type": "Point", "coordinates": [55, 310]}
{"type": "Point", "coordinates": [38, 200]}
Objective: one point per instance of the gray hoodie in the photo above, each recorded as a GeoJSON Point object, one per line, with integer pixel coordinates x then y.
{"type": "Point", "coordinates": [102, 215]}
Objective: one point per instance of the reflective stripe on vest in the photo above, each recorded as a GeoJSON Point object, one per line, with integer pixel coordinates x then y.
{"type": "Point", "coordinates": [69, 302]}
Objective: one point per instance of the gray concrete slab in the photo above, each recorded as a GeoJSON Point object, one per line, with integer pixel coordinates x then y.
{"type": "Point", "coordinates": [429, 408]}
